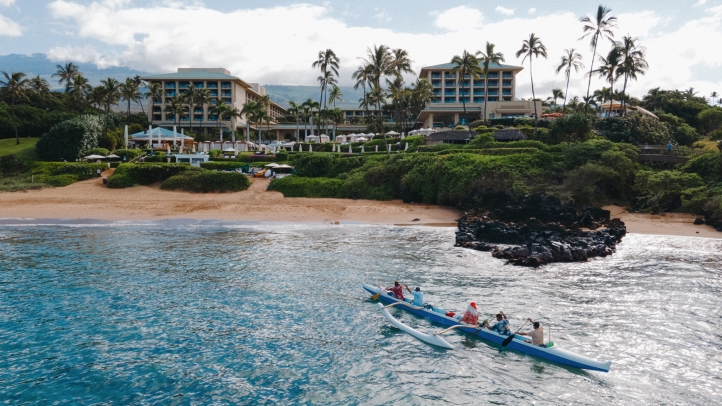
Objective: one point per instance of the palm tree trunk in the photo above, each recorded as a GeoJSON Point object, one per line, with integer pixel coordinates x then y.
{"type": "Point", "coordinates": [15, 124]}
{"type": "Point", "coordinates": [533, 100]}
{"type": "Point", "coordinates": [624, 92]}
{"type": "Point", "coordinates": [127, 119]}
{"type": "Point", "coordinates": [591, 68]}
{"type": "Point", "coordinates": [564, 108]}
{"type": "Point", "coordinates": [297, 135]}
{"type": "Point", "coordinates": [486, 93]}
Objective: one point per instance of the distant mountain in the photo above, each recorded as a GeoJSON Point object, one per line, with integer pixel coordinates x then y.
{"type": "Point", "coordinates": [39, 64]}
{"type": "Point", "coordinates": [283, 94]}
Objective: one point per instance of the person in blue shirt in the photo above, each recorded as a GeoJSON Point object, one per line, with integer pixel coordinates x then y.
{"type": "Point", "coordinates": [501, 326]}
{"type": "Point", "coordinates": [418, 296]}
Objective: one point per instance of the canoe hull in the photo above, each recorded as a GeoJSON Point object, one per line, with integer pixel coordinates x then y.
{"type": "Point", "coordinates": [554, 354]}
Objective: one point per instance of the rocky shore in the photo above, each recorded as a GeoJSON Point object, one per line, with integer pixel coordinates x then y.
{"type": "Point", "coordinates": [539, 230]}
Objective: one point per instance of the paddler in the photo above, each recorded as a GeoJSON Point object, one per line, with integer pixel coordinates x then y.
{"type": "Point", "coordinates": [418, 296]}
{"type": "Point", "coordinates": [501, 326]}
{"type": "Point", "coordinates": [397, 290]}
{"type": "Point", "coordinates": [471, 316]}
{"type": "Point", "coordinates": [537, 335]}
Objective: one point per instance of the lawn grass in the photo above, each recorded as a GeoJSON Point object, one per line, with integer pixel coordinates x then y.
{"type": "Point", "coordinates": [26, 149]}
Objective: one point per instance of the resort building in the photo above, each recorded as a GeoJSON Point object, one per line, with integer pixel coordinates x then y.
{"type": "Point", "coordinates": [233, 91]}
{"type": "Point", "coordinates": [498, 92]}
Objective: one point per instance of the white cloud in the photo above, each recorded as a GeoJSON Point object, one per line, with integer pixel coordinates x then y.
{"type": "Point", "coordinates": [460, 18]}
{"type": "Point", "coordinates": [382, 16]}
{"type": "Point", "coordinates": [83, 54]}
{"type": "Point", "coordinates": [700, 3]}
{"type": "Point", "coordinates": [504, 10]}
{"type": "Point", "coordinates": [9, 28]}
{"type": "Point", "coordinates": [531, 11]}
{"type": "Point", "coordinates": [6, 3]}
{"type": "Point", "coordinates": [162, 38]}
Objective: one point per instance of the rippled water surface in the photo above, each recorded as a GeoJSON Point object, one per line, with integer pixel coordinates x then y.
{"type": "Point", "coordinates": [206, 312]}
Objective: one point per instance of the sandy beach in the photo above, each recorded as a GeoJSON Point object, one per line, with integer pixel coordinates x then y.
{"type": "Point", "coordinates": [92, 200]}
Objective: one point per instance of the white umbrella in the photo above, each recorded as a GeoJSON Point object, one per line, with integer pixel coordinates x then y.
{"type": "Point", "coordinates": [168, 151]}
{"type": "Point", "coordinates": [94, 156]}
{"type": "Point", "coordinates": [392, 133]}
{"type": "Point", "coordinates": [271, 165]}
{"type": "Point", "coordinates": [284, 166]}
{"type": "Point", "coordinates": [113, 156]}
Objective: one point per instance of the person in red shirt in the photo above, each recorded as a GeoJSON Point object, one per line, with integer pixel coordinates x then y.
{"type": "Point", "coordinates": [397, 290]}
{"type": "Point", "coordinates": [471, 316]}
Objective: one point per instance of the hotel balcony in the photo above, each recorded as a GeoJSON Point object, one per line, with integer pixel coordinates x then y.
{"type": "Point", "coordinates": [226, 94]}
{"type": "Point", "coordinates": [478, 83]}
{"type": "Point", "coordinates": [436, 83]}
{"type": "Point", "coordinates": [213, 85]}
{"type": "Point", "coordinates": [464, 83]}
{"type": "Point", "coordinates": [170, 93]}
{"type": "Point", "coordinates": [157, 101]}
{"type": "Point", "coordinates": [463, 92]}
{"type": "Point", "coordinates": [198, 85]}
{"type": "Point", "coordinates": [156, 117]}
{"type": "Point", "coordinates": [463, 99]}
{"type": "Point", "coordinates": [436, 100]}
{"type": "Point", "coordinates": [506, 92]}
{"type": "Point", "coordinates": [183, 85]}
{"type": "Point", "coordinates": [493, 99]}
{"type": "Point", "coordinates": [227, 101]}
{"type": "Point", "coordinates": [436, 75]}
{"type": "Point", "coordinates": [213, 118]}
{"type": "Point", "coordinates": [170, 85]}
{"type": "Point", "coordinates": [437, 93]}
{"type": "Point", "coordinates": [226, 85]}
{"type": "Point", "coordinates": [493, 93]}
{"type": "Point", "coordinates": [493, 83]}
{"type": "Point", "coordinates": [506, 83]}
{"type": "Point", "coordinates": [170, 117]}
{"type": "Point", "coordinates": [493, 75]}
{"type": "Point", "coordinates": [478, 92]}
{"type": "Point", "coordinates": [450, 83]}
{"type": "Point", "coordinates": [449, 93]}
{"type": "Point", "coordinates": [214, 93]}
{"type": "Point", "coordinates": [449, 75]}
{"type": "Point", "coordinates": [452, 100]}
{"type": "Point", "coordinates": [507, 75]}
{"type": "Point", "coordinates": [478, 100]}
{"type": "Point", "coordinates": [186, 118]}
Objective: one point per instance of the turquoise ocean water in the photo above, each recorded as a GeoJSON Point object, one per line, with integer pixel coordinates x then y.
{"type": "Point", "coordinates": [188, 312]}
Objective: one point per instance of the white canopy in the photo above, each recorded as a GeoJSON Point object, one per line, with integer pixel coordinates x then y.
{"type": "Point", "coordinates": [112, 156]}
{"type": "Point", "coordinates": [272, 165]}
{"type": "Point", "coordinates": [361, 139]}
{"type": "Point", "coordinates": [284, 166]}
{"type": "Point", "coordinates": [392, 133]}
{"type": "Point", "coordinates": [94, 156]}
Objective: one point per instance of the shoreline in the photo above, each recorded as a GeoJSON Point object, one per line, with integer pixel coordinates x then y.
{"type": "Point", "coordinates": [90, 199]}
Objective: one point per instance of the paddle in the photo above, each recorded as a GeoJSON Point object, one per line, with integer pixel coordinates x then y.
{"type": "Point", "coordinates": [376, 296]}
{"type": "Point", "coordinates": [511, 337]}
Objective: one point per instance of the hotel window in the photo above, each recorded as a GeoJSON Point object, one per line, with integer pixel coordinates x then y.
{"type": "Point", "coordinates": [226, 85]}
{"type": "Point", "coordinates": [198, 85]}
{"type": "Point", "coordinates": [170, 93]}
{"type": "Point", "coordinates": [183, 85]}
{"type": "Point", "coordinates": [451, 100]}
{"type": "Point", "coordinates": [478, 92]}
{"type": "Point", "coordinates": [170, 85]}
{"type": "Point", "coordinates": [450, 83]}
{"type": "Point", "coordinates": [436, 100]}
{"type": "Point", "coordinates": [170, 117]}
{"type": "Point", "coordinates": [464, 83]}
{"type": "Point", "coordinates": [226, 93]}
{"type": "Point", "coordinates": [463, 99]}
{"type": "Point", "coordinates": [449, 75]}
{"type": "Point", "coordinates": [506, 75]}
{"type": "Point", "coordinates": [435, 75]}
{"type": "Point", "coordinates": [506, 83]}
{"type": "Point", "coordinates": [214, 93]}
{"type": "Point", "coordinates": [493, 83]}
{"type": "Point", "coordinates": [479, 83]}
{"type": "Point", "coordinates": [478, 100]}
{"type": "Point", "coordinates": [493, 75]}
{"type": "Point", "coordinates": [507, 99]}
{"type": "Point", "coordinates": [493, 99]}
{"type": "Point", "coordinates": [436, 83]}
{"type": "Point", "coordinates": [227, 101]}
{"type": "Point", "coordinates": [213, 85]}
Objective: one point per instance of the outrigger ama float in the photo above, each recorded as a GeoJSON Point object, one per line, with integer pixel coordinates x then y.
{"type": "Point", "coordinates": [553, 354]}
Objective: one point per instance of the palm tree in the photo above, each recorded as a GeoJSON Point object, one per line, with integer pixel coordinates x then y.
{"type": "Point", "coordinates": [309, 105]}
{"type": "Point", "coordinates": [396, 90]}
{"type": "Point", "coordinates": [600, 27]}
{"type": "Point", "coordinates": [296, 112]}
{"type": "Point", "coordinates": [39, 86]}
{"type": "Point", "coordinates": [97, 97]}
{"type": "Point", "coordinates": [66, 74]}
{"type": "Point", "coordinates": [335, 95]}
{"type": "Point", "coordinates": [487, 58]}
{"type": "Point", "coordinates": [177, 108]}
{"type": "Point", "coordinates": [112, 93]}
{"type": "Point", "coordinates": [602, 95]}
{"type": "Point", "coordinates": [129, 91]}
{"type": "Point", "coordinates": [557, 94]}
{"type": "Point", "coordinates": [80, 89]}
{"type": "Point", "coordinates": [633, 63]}
{"type": "Point", "coordinates": [190, 96]}
{"type": "Point", "coordinates": [16, 85]}
{"type": "Point", "coordinates": [155, 92]}
{"type": "Point", "coordinates": [713, 96]}
{"type": "Point", "coordinates": [570, 60]}
{"type": "Point", "coordinates": [203, 98]}
{"type": "Point", "coordinates": [233, 114]}
{"type": "Point", "coordinates": [421, 94]}
{"type": "Point", "coordinates": [220, 110]}
{"type": "Point", "coordinates": [589, 100]}
{"type": "Point", "coordinates": [326, 80]}
{"type": "Point", "coordinates": [465, 65]}
{"type": "Point", "coordinates": [248, 110]}
{"type": "Point", "coordinates": [363, 75]}
{"type": "Point", "coordinates": [327, 62]}
{"type": "Point", "coordinates": [380, 61]}
{"type": "Point", "coordinates": [608, 69]}
{"type": "Point", "coordinates": [532, 48]}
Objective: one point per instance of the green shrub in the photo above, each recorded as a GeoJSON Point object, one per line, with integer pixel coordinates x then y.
{"type": "Point", "coordinates": [480, 141]}
{"type": "Point", "coordinates": [326, 164]}
{"type": "Point", "coordinates": [60, 180]}
{"type": "Point", "coordinates": [146, 173]}
{"type": "Point", "coordinates": [207, 181]}
{"type": "Point", "coordinates": [439, 147]}
{"type": "Point", "coordinates": [129, 154]}
{"type": "Point", "coordinates": [579, 154]}
{"type": "Point", "coordinates": [524, 122]}
{"type": "Point", "coordinates": [570, 128]}
{"type": "Point", "coordinates": [223, 166]}
{"type": "Point", "coordinates": [708, 166]}
{"type": "Point", "coordinates": [635, 129]}
{"type": "Point", "coordinates": [710, 119]}
{"type": "Point", "coordinates": [97, 151]}
{"type": "Point", "coordinates": [282, 156]}
{"type": "Point", "coordinates": [68, 140]}
{"type": "Point", "coordinates": [477, 123]}
{"type": "Point", "coordinates": [296, 186]}
{"type": "Point", "coordinates": [668, 190]}
{"type": "Point", "coordinates": [11, 165]}
{"type": "Point", "coordinates": [83, 171]}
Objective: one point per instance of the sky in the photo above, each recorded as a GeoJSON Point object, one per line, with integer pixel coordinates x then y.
{"type": "Point", "coordinates": [275, 42]}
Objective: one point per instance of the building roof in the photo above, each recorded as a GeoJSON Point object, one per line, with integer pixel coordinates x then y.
{"type": "Point", "coordinates": [159, 131]}
{"type": "Point", "coordinates": [509, 135]}
{"type": "Point", "coordinates": [195, 75]}
{"type": "Point", "coordinates": [491, 66]}
{"type": "Point", "coordinates": [450, 136]}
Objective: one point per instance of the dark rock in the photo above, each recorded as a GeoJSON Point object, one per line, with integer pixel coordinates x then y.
{"type": "Point", "coordinates": [698, 221]}
{"type": "Point", "coordinates": [541, 230]}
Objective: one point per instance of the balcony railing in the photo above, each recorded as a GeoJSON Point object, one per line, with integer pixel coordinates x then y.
{"type": "Point", "coordinates": [213, 85]}
{"type": "Point", "coordinates": [506, 83]}
{"type": "Point", "coordinates": [463, 99]}
{"type": "Point", "coordinates": [478, 92]}
{"type": "Point", "coordinates": [493, 83]}
{"type": "Point", "coordinates": [463, 93]}
{"type": "Point", "coordinates": [478, 83]}
{"type": "Point", "coordinates": [437, 94]}
{"type": "Point", "coordinates": [170, 85]}
{"type": "Point", "coordinates": [226, 94]}
{"type": "Point", "coordinates": [157, 101]}
{"type": "Point", "coordinates": [464, 83]}
{"type": "Point", "coordinates": [183, 85]}
{"type": "Point", "coordinates": [198, 85]}
{"type": "Point", "coordinates": [226, 85]}
{"type": "Point", "coordinates": [450, 93]}
{"type": "Point", "coordinates": [478, 100]}
{"type": "Point", "coordinates": [436, 100]}
{"type": "Point", "coordinates": [507, 75]}
{"type": "Point", "coordinates": [449, 75]}
{"type": "Point", "coordinates": [493, 76]}
{"type": "Point", "coordinates": [449, 100]}
{"type": "Point", "coordinates": [436, 76]}
{"type": "Point", "coordinates": [506, 93]}
{"type": "Point", "coordinates": [227, 101]}
{"type": "Point", "coordinates": [170, 93]}
{"type": "Point", "coordinates": [436, 83]}
{"type": "Point", "coordinates": [493, 93]}
{"type": "Point", "coordinates": [450, 83]}
{"type": "Point", "coordinates": [214, 93]}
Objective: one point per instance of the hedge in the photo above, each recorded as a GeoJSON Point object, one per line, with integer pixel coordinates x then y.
{"type": "Point", "coordinates": [207, 181]}
{"type": "Point", "coordinates": [64, 173]}
{"type": "Point", "coordinates": [145, 173]}
{"type": "Point", "coordinates": [296, 186]}
{"type": "Point", "coordinates": [223, 166]}
{"type": "Point", "coordinates": [69, 139]}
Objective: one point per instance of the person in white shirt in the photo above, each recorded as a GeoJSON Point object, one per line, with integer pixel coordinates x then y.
{"type": "Point", "coordinates": [418, 296]}
{"type": "Point", "coordinates": [537, 335]}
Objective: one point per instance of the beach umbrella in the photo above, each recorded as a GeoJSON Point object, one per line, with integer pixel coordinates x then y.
{"type": "Point", "coordinates": [125, 136]}
{"type": "Point", "coordinates": [113, 156]}
{"type": "Point", "coordinates": [194, 148]}
{"type": "Point", "coordinates": [362, 149]}
{"type": "Point", "coordinates": [174, 136]}
{"type": "Point", "coordinates": [310, 148]}
{"type": "Point", "coordinates": [94, 156]}
{"type": "Point", "coordinates": [272, 165]}
{"type": "Point", "coordinates": [393, 133]}
{"type": "Point", "coordinates": [150, 136]}
{"type": "Point", "coordinates": [350, 151]}
{"type": "Point", "coordinates": [168, 150]}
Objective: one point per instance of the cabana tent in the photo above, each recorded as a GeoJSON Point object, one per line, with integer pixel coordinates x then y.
{"type": "Point", "coordinates": [161, 137]}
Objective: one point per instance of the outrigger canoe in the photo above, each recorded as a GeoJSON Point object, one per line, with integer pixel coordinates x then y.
{"type": "Point", "coordinates": [553, 354]}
